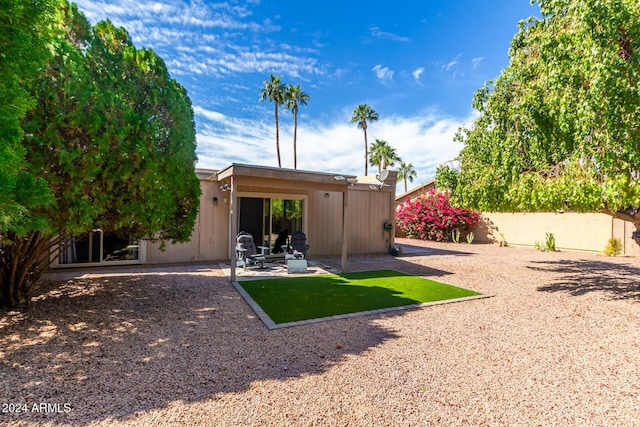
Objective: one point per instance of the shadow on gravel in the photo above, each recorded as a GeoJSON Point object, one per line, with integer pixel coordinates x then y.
{"type": "Point", "coordinates": [417, 250]}
{"type": "Point", "coordinates": [109, 347]}
{"type": "Point", "coordinates": [617, 281]}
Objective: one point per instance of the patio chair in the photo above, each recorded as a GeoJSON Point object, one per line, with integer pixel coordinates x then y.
{"type": "Point", "coordinates": [281, 242]}
{"type": "Point", "coordinates": [247, 252]}
{"type": "Point", "coordinates": [298, 244]}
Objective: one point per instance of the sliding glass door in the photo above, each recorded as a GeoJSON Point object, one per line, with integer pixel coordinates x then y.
{"type": "Point", "coordinates": [267, 217]}
{"type": "Point", "coordinates": [97, 247]}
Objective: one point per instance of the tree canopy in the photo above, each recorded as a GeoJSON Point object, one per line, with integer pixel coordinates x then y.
{"type": "Point", "coordinates": [559, 128]}
{"type": "Point", "coordinates": [113, 136]}
{"type": "Point", "coordinates": [381, 154]}
{"type": "Point", "coordinates": [22, 54]}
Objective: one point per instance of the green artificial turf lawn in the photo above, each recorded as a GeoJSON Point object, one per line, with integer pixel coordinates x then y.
{"type": "Point", "coordinates": [302, 298]}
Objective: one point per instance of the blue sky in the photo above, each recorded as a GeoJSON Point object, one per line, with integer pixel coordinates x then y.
{"type": "Point", "coordinates": [417, 63]}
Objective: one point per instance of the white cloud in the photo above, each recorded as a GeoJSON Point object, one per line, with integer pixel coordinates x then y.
{"type": "Point", "coordinates": [448, 66]}
{"type": "Point", "coordinates": [426, 140]}
{"type": "Point", "coordinates": [417, 73]}
{"type": "Point", "coordinates": [475, 62]}
{"type": "Point", "coordinates": [383, 73]}
{"type": "Point", "coordinates": [375, 31]}
{"type": "Point", "coordinates": [213, 39]}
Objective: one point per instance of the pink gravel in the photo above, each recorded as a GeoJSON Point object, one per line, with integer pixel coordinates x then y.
{"type": "Point", "coordinates": [558, 344]}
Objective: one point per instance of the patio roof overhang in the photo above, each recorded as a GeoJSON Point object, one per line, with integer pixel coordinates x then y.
{"type": "Point", "coordinates": [238, 175]}
{"type": "Point", "coordinates": [286, 177]}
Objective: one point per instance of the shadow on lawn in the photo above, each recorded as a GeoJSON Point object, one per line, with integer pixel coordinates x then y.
{"type": "Point", "coordinates": [617, 281]}
{"type": "Point", "coordinates": [115, 345]}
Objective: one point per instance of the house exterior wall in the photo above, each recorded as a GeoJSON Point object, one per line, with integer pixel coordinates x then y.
{"type": "Point", "coordinates": [210, 234]}
{"type": "Point", "coordinates": [367, 210]}
{"type": "Point", "coordinates": [325, 223]}
{"type": "Point", "coordinates": [418, 191]}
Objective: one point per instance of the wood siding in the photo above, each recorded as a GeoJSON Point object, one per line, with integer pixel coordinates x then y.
{"type": "Point", "coordinates": [367, 210]}
{"type": "Point", "coordinates": [325, 223]}
{"type": "Point", "coordinates": [210, 235]}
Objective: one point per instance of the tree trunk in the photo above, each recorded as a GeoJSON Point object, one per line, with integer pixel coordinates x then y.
{"type": "Point", "coordinates": [23, 259]}
{"type": "Point", "coordinates": [295, 132]}
{"type": "Point", "coordinates": [277, 136]}
{"type": "Point", "coordinates": [366, 149]}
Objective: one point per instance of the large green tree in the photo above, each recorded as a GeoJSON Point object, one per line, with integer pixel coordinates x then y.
{"type": "Point", "coordinates": [294, 97]}
{"type": "Point", "coordinates": [559, 128]}
{"type": "Point", "coordinates": [113, 135]}
{"type": "Point", "coordinates": [274, 91]}
{"type": "Point", "coordinates": [362, 115]}
{"type": "Point", "coordinates": [23, 53]}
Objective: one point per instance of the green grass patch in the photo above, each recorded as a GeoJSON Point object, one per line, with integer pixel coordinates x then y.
{"type": "Point", "coordinates": [293, 299]}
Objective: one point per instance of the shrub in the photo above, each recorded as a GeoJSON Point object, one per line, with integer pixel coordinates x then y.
{"type": "Point", "coordinates": [470, 237]}
{"type": "Point", "coordinates": [613, 248]}
{"type": "Point", "coordinates": [431, 217]}
{"type": "Point", "coordinates": [549, 244]}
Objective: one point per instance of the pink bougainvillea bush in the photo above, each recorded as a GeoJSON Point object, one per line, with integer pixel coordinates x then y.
{"type": "Point", "coordinates": [431, 217]}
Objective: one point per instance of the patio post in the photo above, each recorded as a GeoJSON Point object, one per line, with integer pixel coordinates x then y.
{"type": "Point", "coordinates": [232, 227]}
{"type": "Point", "coordinates": [345, 229]}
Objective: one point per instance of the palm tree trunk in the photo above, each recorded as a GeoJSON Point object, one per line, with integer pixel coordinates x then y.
{"type": "Point", "coordinates": [277, 136]}
{"type": "Point", "coordinates": [366, 151]}
{"type": "Point", "coordinates": [295, 132]}
{"type": "Point", "coordinates": [405, 184]}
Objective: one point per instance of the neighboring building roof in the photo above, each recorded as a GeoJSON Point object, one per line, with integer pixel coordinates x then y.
{"type": "Point", "coordinates": [412, 194]}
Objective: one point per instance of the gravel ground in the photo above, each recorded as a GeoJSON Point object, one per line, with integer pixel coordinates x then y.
{"type": "Point", "coordinates": [558, 344]}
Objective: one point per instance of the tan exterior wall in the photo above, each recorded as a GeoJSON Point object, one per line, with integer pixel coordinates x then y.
{"type": "Point", "coordinates": [367, 210]}
{"type": "Point", "coordinates": [210, 235]}
{"type": "Point", "coordinates": [325, 223]}
{"type": "Point", "coordinates": [572, 231]}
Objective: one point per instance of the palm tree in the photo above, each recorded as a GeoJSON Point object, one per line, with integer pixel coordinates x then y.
{"type": "Point", "coordinates": [406, 171]}
{"type": "Point", "coordinates": [382, 155]}
{"type": "Point", "coordinates": [361, 115]}
{"type": "Point", "coordinates": [375, 153]}
{"type": "Point", "coordinates": [388, 156]}
{"type": "Point", "coordinates": [294, 96]}
{"type": "Point", "coordinates": [273, 90]}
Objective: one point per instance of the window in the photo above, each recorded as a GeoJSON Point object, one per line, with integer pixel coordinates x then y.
{"type": "Point", "coordinates": [97, 247]}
